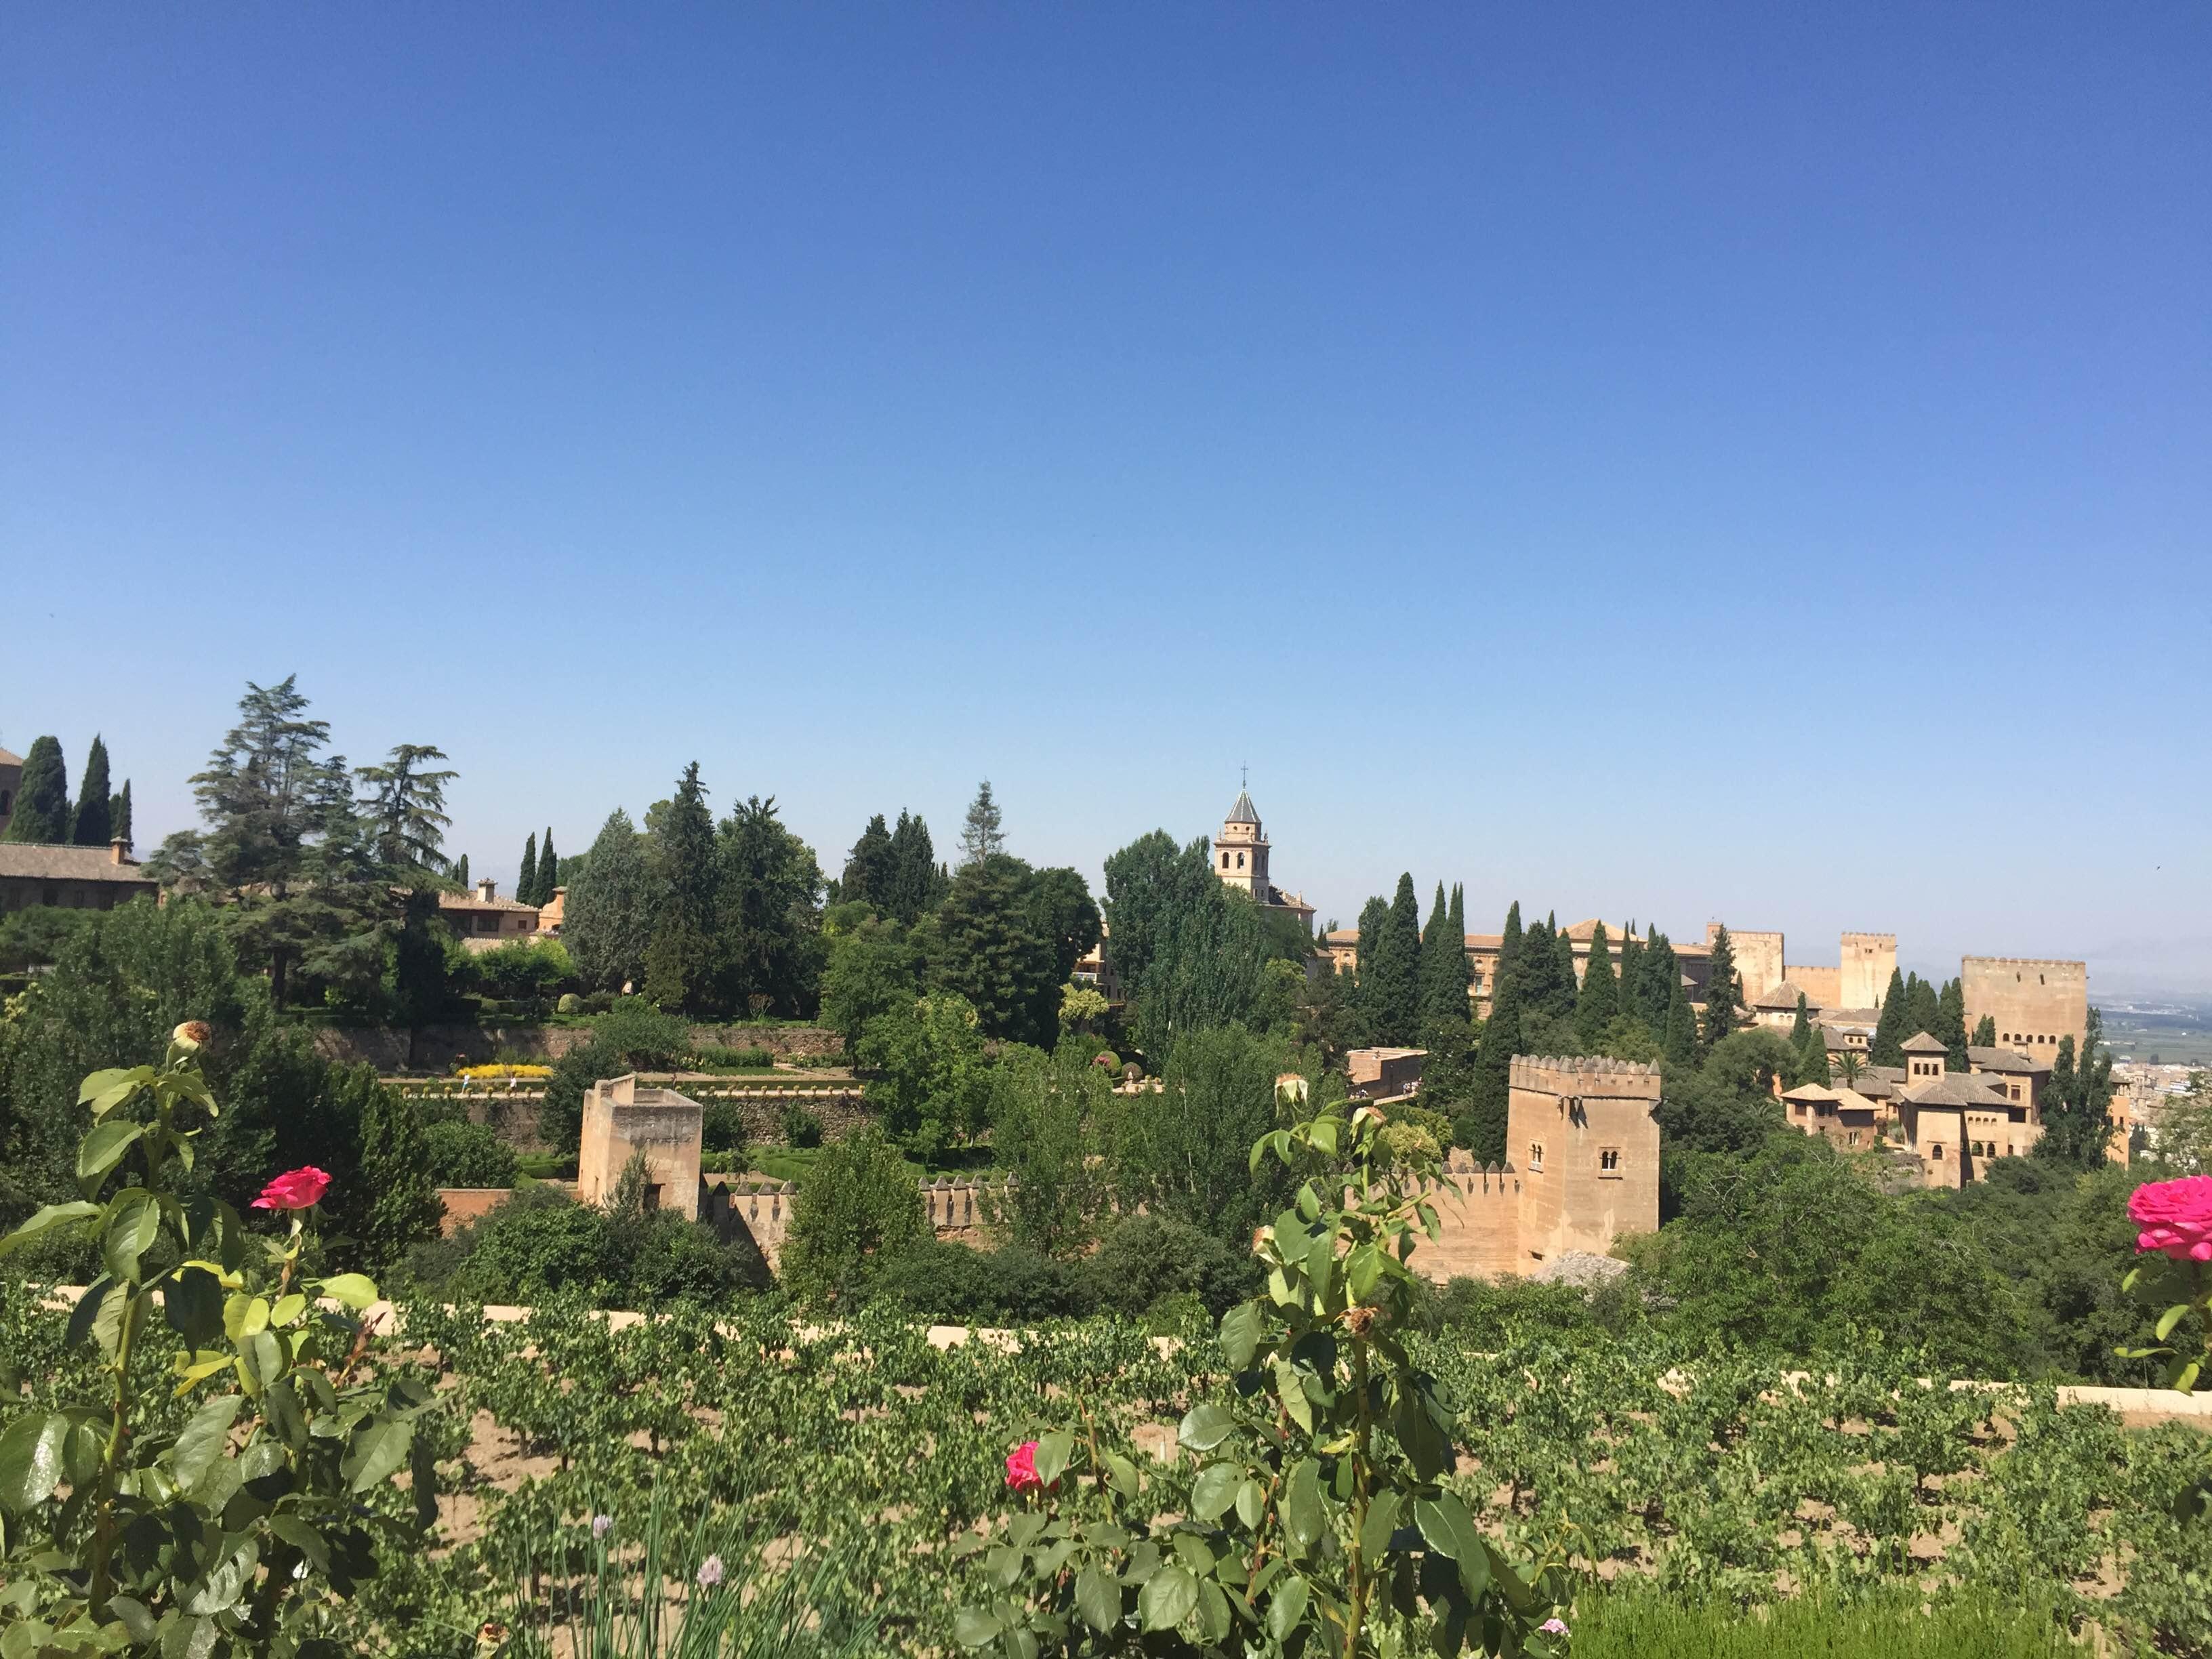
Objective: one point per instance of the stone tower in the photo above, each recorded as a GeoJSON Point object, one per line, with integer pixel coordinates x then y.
{"type": "Point", "coordinates": [1587, 1148]}
{"type": "Point", "coordinates": [1866, 962]}
{"type": "Point", "coordinates": [1240, 856]}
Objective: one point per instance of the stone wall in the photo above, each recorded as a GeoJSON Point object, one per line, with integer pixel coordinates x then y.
{"type": "Point", "coordinates": [1587, 1148]}
{"type": "Point", "coordinates": [1479, 1222]}
{"type": "Point", "coordinates": [622, 1119]}
{"type": "Point", "coordinates": [1823, 986]}
{"type": "Point", "coordinates": [1867, 960]}
{"type": "Point", "coordinates": [958, 1211]}
{"type": "Point", "coordinates": [1758, 959]}
{"type": "Point", "coordinates": [442, 1048]}
{"type": "Point", "coordinates": [2034, 1001]}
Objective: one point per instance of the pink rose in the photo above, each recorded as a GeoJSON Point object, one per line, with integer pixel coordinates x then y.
{"type": "Point", "coordinates": [1554, 1627]}
{"type": "Point", "coordinates": [2175, 1216]}
{"type": "Point", "coordinates": [1021, 1468]}
{"type": "Point", "coordinates": [296, 1190]}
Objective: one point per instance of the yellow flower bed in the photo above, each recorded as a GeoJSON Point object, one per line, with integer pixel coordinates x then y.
{"type": "Point", "coordinates": [504, 1071]}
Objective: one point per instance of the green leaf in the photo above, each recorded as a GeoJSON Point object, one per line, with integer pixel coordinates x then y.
{"type": "Point", "coordinates": [86, 1314]}
{"type": "Point", "coordinates": [354, 1291]}
{"type": "Point", "coordinates": [2186, 1379]}
{"type": "Point", "coordinates": [1121, 1475]}
{"type": "Point", "coordinates": [281, 1405]}
{"type": "Point", "coordinates": [103, 1149]}
{"type": "Point", "coordinates": [225, 1580]}
{"type": "Point", "coordinates": [1215, 1490]}
{"type": "Point", "coordinates": [1213, 1617]}
{"type": "Point", "coordinates": [105, 1091]}
{"type": "Point", "coordinates": [1302, 1509]}
{"type": "Point", "coordinates": [31, 1461]}
{"type": "Point", "coordinates": [1098, 1598]}
{"type": "Point", "coordinates": [1053, 1452]}
{"type": "Point", "coordinates": [1287, 1607]}
{"type": "Point", "coordinates": [1167, 1598]}
{"type": "Point", "coordinates": [1363, 1271]}
{"type": "Point", "coordinates": [1251, 1502]}
{"type": "Point", "coordinates": [1240, 1334]}
{"type": "Point", "coordinates": [48, 1218]}
{"type": "Point", "coordinates": [303, 1538]}
{"type": "Point", "coordinates": [1381, 1521]}
{"type": "Point", "coordinates": [132, 1220]}
{"type": "Point", "coordinates": [201, 1442]}
{"type": "Point", "coordinates": [288, 1307]}
{"type": "Point", "coordinates": [378, 1448]}
{"type": "Point", "coordinates": [973, 1628]}
{"type": "Point", "coordinates": [1205, 1426]}
{"type": "Point", "coordinates": [1293, 1393]}
{"type": "Point", "coordinates": [2170, 1318]}
{"type": "Point", "coordinates": [191, 1302]}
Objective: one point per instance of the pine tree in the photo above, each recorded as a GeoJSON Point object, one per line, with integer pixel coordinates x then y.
{"type": "Point", "coordinates": [1723, 991]}
{"type": "Point", "coordinates": [118, 815]}
{"type": "Point", "coordinates": [549, 869]}
{"type": "Point", "coordinates": [1482, 1130]}
{"type": "Point", "coordinates": [1393, 990]}
{"type": "Point", "coordinates": [525, 883]}
{"type": "Point", "coordinates": [90, 825]}
{"type": "Point", "coordinates": [982, 834]}
{"type": "Point", "coordinates": [1950, 1027]}
{"type": "Point", "coordinates": [1890, 1030]}
{"type": "Point", "coordinates": [1601, 995]}
{"type": "Point", "coordinates": [42, 802]}
{"type": "Point", "coordinates": [1985, 1032]}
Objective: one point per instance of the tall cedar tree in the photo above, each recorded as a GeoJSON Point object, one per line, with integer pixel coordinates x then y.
{"type": "Point", "coordinates": [1886, 1047]}
{"type": "Point", "coordinates": [549, 869]}
{"type": "Point", "coordinates": [1723, 991]}
{"type": "Point", "coordinates": [1601, 994]}
{"type": "Point", "coordinates": [1985, 1032]}
{"type": "Point", "coordinates": [405, 809]}
{"type": "Point", "coordinates": [996, 952]}
{"type": "Point", "coordinates": [1630, 994]}
{"type": "Point", "coordinates": [680, 966]}
{"type": "Point", "coordinates": [525, 880]}
{"type": "Point", "coordinates": [2077, 1122]}
{"type": "Point", "coordinates": [90, 825]}
{"type": "Point", "coordinates": [982, 834]}
{"type": "Point", "coordinates": [1950, 1027]}
{"type": "Point", "coordinates": [918, 880]}
{"type": "Point", "coordinates": [867, 876]}
{"type": "Point", "coordinates": [42, 802]}
{"type": "Point", "coordinates": [118, 815]}
{"type": "Point", "coordinates": [1394, 987]}
{"type": "Point", "coordinates": [1482, 1129]}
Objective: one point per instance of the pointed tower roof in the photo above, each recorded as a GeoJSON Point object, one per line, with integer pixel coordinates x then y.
{"type": "Point", "coordinates": [1244, 811]}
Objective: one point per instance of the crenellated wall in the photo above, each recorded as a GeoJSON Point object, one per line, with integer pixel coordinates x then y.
{"type": "Point", "coordinates": [1479, 1222]}
{"type": "Point", "coordinates": [1582, 1131]}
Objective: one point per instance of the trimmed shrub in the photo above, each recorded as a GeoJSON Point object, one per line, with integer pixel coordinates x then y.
{"type": "Point", "coordinates": [1144, 1259]}
{"type": "Point", "coordinates": [466, 1154]}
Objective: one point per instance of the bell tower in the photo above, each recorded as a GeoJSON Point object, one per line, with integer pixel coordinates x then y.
{"type": "Point", "coordinates": [1240, 855]}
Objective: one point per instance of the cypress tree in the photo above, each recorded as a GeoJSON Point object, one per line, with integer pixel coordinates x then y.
{"type": "Point", "coordinates": [1924, 1010]}
{"type": "Point", "coordinates": [90, 824]}
{"type": "Point", "coordinates": [42, 802]}
{"type": "Point", "coordinates": [525, 884]}
{"type": "Point", "coordinates": [118, 815]}
{"type": "Point", "coordinates": [1681, 1037]}
{"type": "Point", "coordinates": [918, 880]}
{"type": "Point", "coordinates": [1566, 990]}
{"type": "Point", "coordinates": [1463, 975]}
{"type": "Point", "coordinates": [1663, 978]}
{"type": "Point", "coordinates": [1482, 1131]}
{"type": "Point", "coordinates": [1985, 1032]}
{"type": "Point", "coordinates": [461, 871]}
{"type": "Point", "coordinates": [1600, 999]}
{"type": "Point", "coordinates": [869, 874]}
{"type": "Point", "coordinates": [549, 869]}
{"type": "Point", "coordinates": [1890, 1030]}
{"type": "Point", "coordinates": [1443, 967]}
{"type": "Point", "coordinates": [1723, 991]}
{"type": "Point", "coordinates": [1813, 1057]}
{"type": "Point", "coordinates": [1802, 1024]}
{"type": "Point", "coordinates": [1630, 994]}
{"type": "Point", "coordinates": [1393, 990]}
{"type": "Point", "coordinates": [1951, 1024]}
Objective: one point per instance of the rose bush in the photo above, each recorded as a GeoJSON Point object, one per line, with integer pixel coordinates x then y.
{"type": "Point", "coordinates": [2176, 1221]}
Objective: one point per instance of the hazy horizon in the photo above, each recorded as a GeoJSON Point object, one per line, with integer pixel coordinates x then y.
{"type": "Point", "coordinates": [1726, 464]}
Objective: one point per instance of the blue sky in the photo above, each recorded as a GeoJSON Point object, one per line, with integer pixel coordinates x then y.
{"type": "Point", "coordinates": [1725, 461]}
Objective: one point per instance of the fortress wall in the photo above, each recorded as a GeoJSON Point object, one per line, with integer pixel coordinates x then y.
{"type": "Point", "coordinates": [1588, 1146]}
{"type": "Point", "coordinates": [1866, 962]}
{"type": "Point", "coordinates": [1823, 986]}
{"type": "Point", "coordinates": [1758, 958]}
{"type": "Point", "coordinates": [2034, 1001]}
{"type": "Point", "coordinates": [1478, 1218]}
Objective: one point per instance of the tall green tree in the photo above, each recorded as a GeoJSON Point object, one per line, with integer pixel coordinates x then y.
{"type": "Point", "coordinates": [928, 1078]}
{"type": "Point", "coordinates": [1183, 1150]}
{"type": "Point", "coordinates": [1985, 1032]}
{"type": "Point", "coordinates": [1481, 1129]}
{"type": "Point", "coordinates": [1191, 954]}
{"type": "Point", "coordinates": [1810, 1045]}
{"type": "Point", "coordinates": [1887, 1047]}
{"type": "Point", "coordinates": [869, 876]}
{"type": "Point", "coordinates": [1601, 994]}
{"type": "Point", "coordinates": [42, 802]}
{"type": "Point", "coordinates": [548, 870]}
{"type": "Point", "coordinates": [769, 912]}
{"type": "Point", "coordinates": [857, 1212]}
{"type": "Point", "coordinates": [680, 962]}
{"type": "Point", "coordinates": [119, 815]}
{"type": "Point", "coordinates": [405, 808]}
{"type": "Point", "coordinates": [91, 823]}
{"type": "Point", "coordinates": [981, 834]}
{"type": "Point", "coordinates": [995, 953]}
{"type": "Point", "coordinates": [1631, 994]}
{"type": "Point", "coordinates": [1052, 1117]}
{"type": "Point", "coordinates": [2077, 1106]}
{"type": "Point", "coordinates": [1663, 981]}
{"type": "Point", "coordinates": [871, 970]}
{"type": "Point", "coordinates": [1392, 987]}
{"type": "Point", "coordinates": [1680, 1038]}
{"type": "Point", "coordinates": [525, 880]}
{"type": "Point", "coordinates": [1444, 967]}
{"type": "Point", "coordinates": [1923, 1007]}
{"type": "Point", "coordinates": [608, 924]}
{"type": "Point", "coordinates": [461, 873]}
{"type": "Point", "coordinates": [1950, 1027]}
{"type": "Point", "coordinates": [918, 881]}
{"type": "Point", "coordinates": [1723, 991]}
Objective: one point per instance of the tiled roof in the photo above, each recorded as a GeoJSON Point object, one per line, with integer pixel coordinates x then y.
{"type": "Point", "coordinates": [8, 758]}
{"type": "Point", "coordinates": [1783, 995]}
{"type": "Point", "coordinates": [1244, 811]}
{"type": "Point", "coordinates": [1808, 1091]}
{"type": "Point", "coordinates": [470, 902]}
{"type": "Point", "coordinates": [39, 861]}
{"type": "Point", "coordinates": [2002, 1060]}
{"type": "Point", "coordinates": [1874, 1087]}
{"type": "Point", "coordinates": [1955, 1089]}
{"type": "Point", "coordinates": [1921, 1043]}
{"type": "Point", "coordinates": [1485, 941]}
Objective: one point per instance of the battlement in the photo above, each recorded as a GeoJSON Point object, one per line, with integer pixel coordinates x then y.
{"type": "Point", "coordinates": [1852, 937]}
{"type": "Point", "coordinates": [1584, 1074]}
{"type": "Point", "coordinates": [2063, 963]}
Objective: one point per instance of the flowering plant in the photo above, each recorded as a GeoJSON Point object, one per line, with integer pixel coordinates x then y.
{"type": "Point", "coordinates": [2175, 1274]}
{"type": "Point", "coordinates": [238, 1533]}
